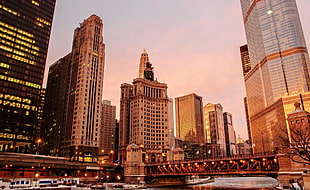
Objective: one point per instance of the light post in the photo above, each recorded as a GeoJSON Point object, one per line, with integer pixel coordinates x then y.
{"type": "Point", "coordinates": [38, 145]}
{"type": "Point", "coordinates": [111, 156]}
{"type": "Point", "coordinates": [263, 144]}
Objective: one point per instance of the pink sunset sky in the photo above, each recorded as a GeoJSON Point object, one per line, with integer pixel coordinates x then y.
{"type": "Point", "coordinates": [192, 44]}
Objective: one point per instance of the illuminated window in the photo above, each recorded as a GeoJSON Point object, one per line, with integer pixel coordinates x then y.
{"type": "Point", "coordinates": [9, 10]}
{"type": "Point", "coordinates": [15, 29]}
{"type": "Point", "coordinates": [11, 79]}
{"type": "Point", "coordinates": [4, 65]}
{"type": "Point", "coordinates": [35, 3]}
{"type": "Point", "coordinates": [43, 21]}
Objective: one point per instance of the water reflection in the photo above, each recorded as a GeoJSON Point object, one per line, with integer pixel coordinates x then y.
{"type": "Point", "coordinates": [225, 183]}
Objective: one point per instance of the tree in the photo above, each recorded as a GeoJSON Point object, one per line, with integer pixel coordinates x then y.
{"type": "Point", "coordinates": [300, 144]}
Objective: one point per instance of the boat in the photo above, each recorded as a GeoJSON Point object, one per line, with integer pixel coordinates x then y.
{"type": "Point", "coordinates": [41, 183]}
{"type": "Point", "coordinates": [189, 180]}
{"type": "Point", "coordinates": [195, 180]}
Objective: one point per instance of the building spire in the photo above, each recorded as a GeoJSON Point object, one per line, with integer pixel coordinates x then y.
{"type": "Point", "coordinates": [143, 60]}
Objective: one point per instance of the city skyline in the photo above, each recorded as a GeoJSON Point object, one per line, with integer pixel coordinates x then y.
{"type": "Point", "coordinates": [185, 40]}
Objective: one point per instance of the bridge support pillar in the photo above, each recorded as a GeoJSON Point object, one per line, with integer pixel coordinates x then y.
{"type": "Point", "coordinates": [134, 169]}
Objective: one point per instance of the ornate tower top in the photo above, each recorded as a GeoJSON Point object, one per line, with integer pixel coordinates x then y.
{"type": "Point", "coordinates": [143, 60]}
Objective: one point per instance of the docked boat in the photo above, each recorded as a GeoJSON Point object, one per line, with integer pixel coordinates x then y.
{"type": "Point", "coordinates": [189, 180]}
{"type": "Point", "coordinates": [195, 180]}
{"type": "Point", "coordinates": [40, 183]}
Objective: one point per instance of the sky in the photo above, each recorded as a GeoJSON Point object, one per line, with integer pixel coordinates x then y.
{"type": "Point", "coordinates": [193, 45]}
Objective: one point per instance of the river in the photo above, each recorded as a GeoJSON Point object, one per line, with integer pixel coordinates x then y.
{"type": "Point", "coordinates": [226, 183]}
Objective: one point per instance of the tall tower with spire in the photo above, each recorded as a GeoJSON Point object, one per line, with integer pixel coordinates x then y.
{"type": "Point", "coordinates": [143, 60]}
{"type": "Point", "coordinates": [144, 116]}
{"type": "Point", "coordinates": [279, 68]}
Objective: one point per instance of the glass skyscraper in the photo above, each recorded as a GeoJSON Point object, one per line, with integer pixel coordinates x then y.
{"type": "Point", "coordinates": [189, 119]}
{"type": "Point", "coordinates": [279, 66]}
{"type": "Point", "coordinates": [24, 37]}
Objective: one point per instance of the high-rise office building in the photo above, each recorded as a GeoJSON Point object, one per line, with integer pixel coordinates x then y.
{"type": "Point", "coordinates": [107, 130]}
{"type": "Point", "coordinates": [230, 135]}
{"type": "Point", "coordinates": [74, 113]}
{"type": "Point", "coordinates": [189, 119]}
{"type": "Point", "coordinates": [214, 126]}
{"type": "Point", "coordinates": [279, 67]}
{"type": "Point", "coordinates": [172, 139]}
{"type": "Point", "coordinates": [55, 106]}
{"type": "Point", "coordinates": [24, 32]}
{"type": "Point", "coordinates": [144, 118]}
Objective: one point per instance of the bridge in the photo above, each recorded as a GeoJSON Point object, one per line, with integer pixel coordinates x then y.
{"type": "Point", "coordinates": [256, 164]}
{"type": "Point", "coordinates": [14, 165]}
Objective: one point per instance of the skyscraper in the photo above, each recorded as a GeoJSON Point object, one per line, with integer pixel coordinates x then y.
{"type": "Point", "coordinates": [230, 136]}
{"type": "Point", "coordinates": [214, 124]}
{"type": "Point", "coordinates": [144, 118]}
{"type": "Point", "coordinates": [107, 130]}
{"type": "Point", "coordinates": [75, 118]}
{"type": "Point", "coordinates": [279, 67]}
{"type": "Point", "coordinates": [24, 31]}
{"type": "Point", "coordinates": [189, 119]}
{"type": "Point", "coordinates": [55, 105]}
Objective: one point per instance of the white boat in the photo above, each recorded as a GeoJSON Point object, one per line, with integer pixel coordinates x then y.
{"type": "Point", "coordinates": [30, 183]}
{"type": "Point", "coordinates": [194, 180]}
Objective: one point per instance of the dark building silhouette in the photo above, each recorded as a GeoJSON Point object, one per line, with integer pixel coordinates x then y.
{"type": "Point", "coordinates": [55, 106]}
{"type": "Point", "coordinates": [230, 136]}
{"type": "Point", "coordinates": [24, 32]}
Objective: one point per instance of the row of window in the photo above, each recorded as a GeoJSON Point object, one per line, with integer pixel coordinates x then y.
{"type": "Point", "coordinates": [9, 10]}
{"type": "Point", "coordinates": [15, 98]}
{"type": "Point", "coordinates": [18, 81]}
{"type": "Point", "coordinates": [35, 3]}
{"type": "Point", "coordinates": [18, 58]}
{"type": "Point", "coordinates": [17, 41]}
{"type": "Point", "coordinates": [12, 136]}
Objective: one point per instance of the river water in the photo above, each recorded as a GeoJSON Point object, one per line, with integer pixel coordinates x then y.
{"type": "Point", "coordinates": [233, 183]}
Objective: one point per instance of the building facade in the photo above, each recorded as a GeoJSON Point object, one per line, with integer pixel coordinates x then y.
{"type": "Point", "coordinates": [80, 94]}
{"type": "Point", "coordinates": [230, 135]}
{"type": "Point", "coordinates": [107, 130]}
{"type": "Point", "coordinates": [214, 126]}
{"type": "Point", "coordinates": [25, 32]}
{"type": "Point", "coordinates": [144, 118]}
{"type": "Point", "coordinates": [55, 106]}
{"type": "Point", "coordinates": [189, 119]}
{"type": "Point", "coordinates": [279, 66]}
{"type": "Point", "coordinates": [245, 59]}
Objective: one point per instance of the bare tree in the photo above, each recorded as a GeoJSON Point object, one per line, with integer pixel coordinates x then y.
{"type": "Point", "coordinates": [299, 144]}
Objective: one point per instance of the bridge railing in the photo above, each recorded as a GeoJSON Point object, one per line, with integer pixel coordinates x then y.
{"type": "Point", "coordinates": [266, 163]}
{"type": "Point", "coordinates": [218, 158]}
